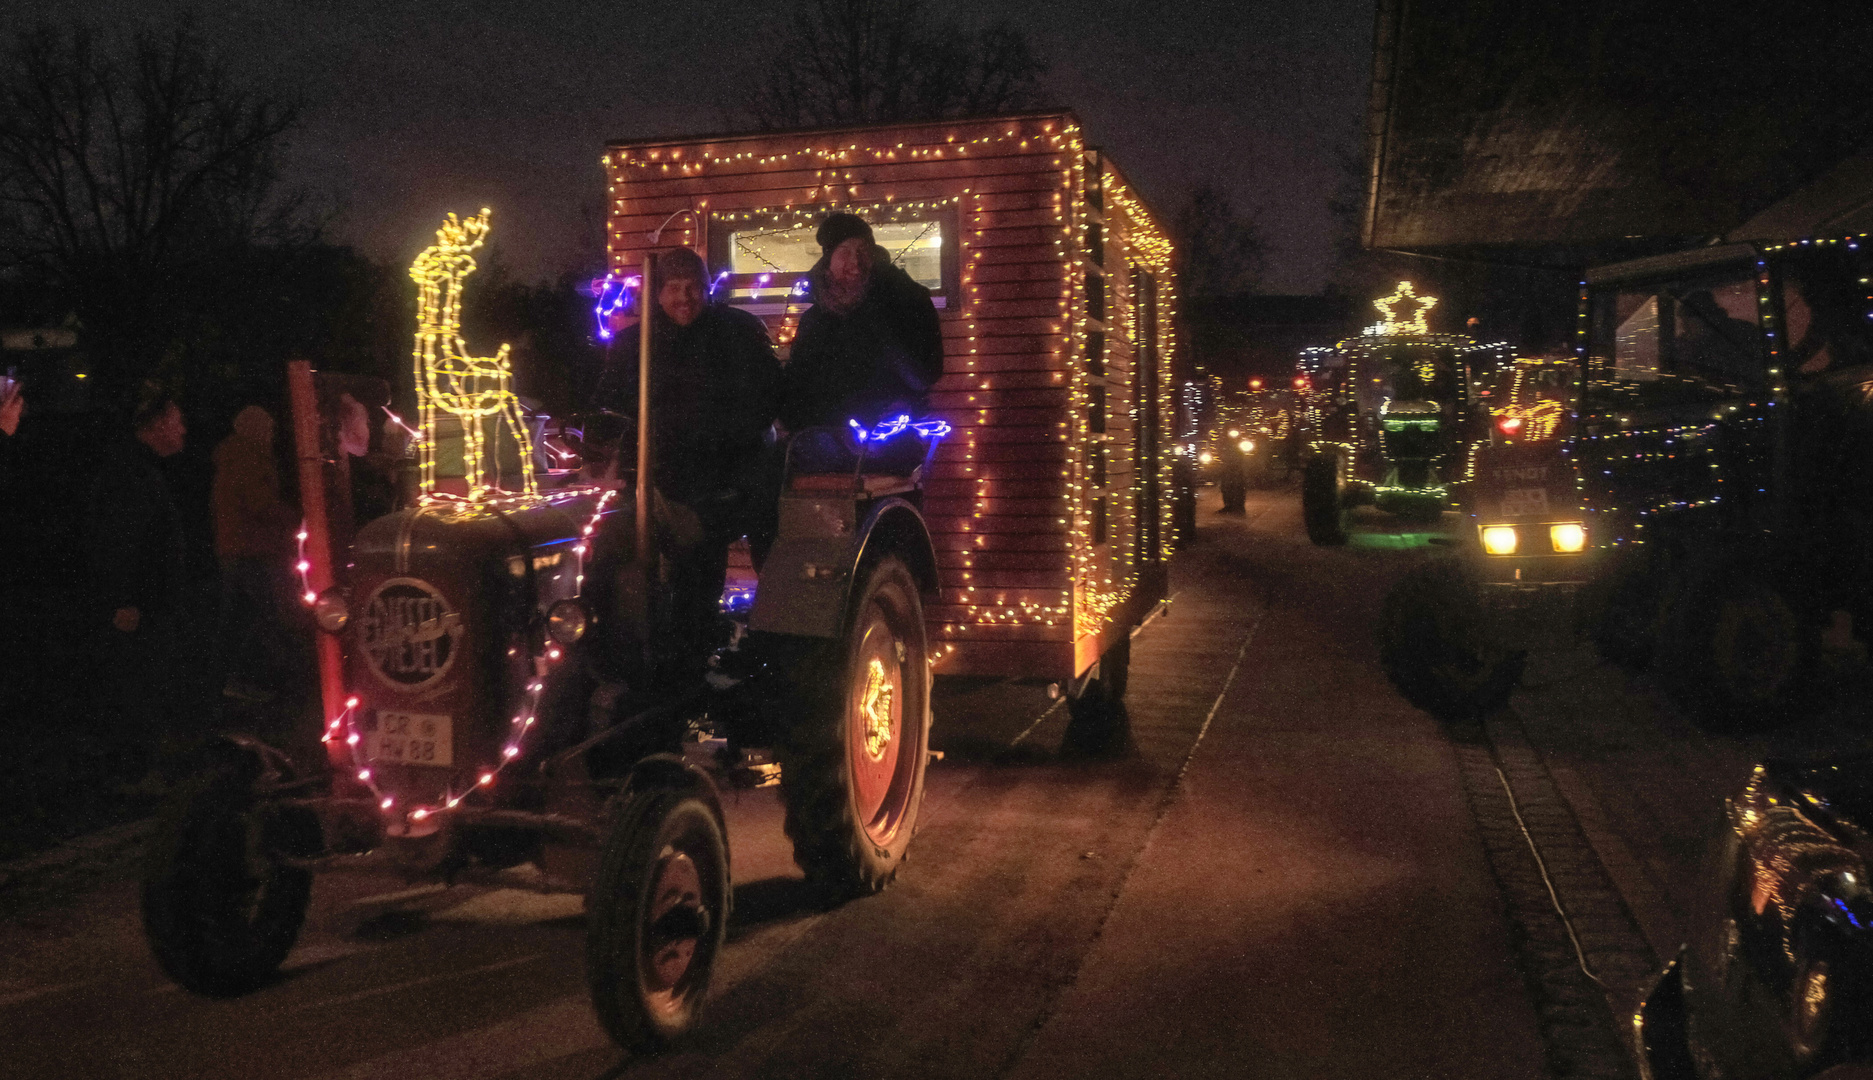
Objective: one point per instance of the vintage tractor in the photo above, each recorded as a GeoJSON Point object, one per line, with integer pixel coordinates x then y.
{"type": "Point", "coordinates": [1393, 421]}
{"type": "Point", "coordinates": [507, 695]}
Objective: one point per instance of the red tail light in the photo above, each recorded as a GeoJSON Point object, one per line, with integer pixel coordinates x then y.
{"type": "Point", "coordinates": [1510, 425]}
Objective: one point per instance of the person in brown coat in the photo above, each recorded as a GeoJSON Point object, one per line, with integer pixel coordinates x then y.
{"type": "Point", "coordinates": [255, 542]}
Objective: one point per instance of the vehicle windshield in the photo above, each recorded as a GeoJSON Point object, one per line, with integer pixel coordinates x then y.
{"type": "Point", "coordinates": [1695, 334]}
{"type": "Point", "coordinates": [1825, 309]}
{"type": "Point", "coordinates": [1409, 373]}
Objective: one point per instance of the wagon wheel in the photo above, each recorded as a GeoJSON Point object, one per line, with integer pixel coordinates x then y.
{"type": "Point", "coordinates": [656, 917]}
{"type": "Point", "coordinates": [1098, 724]}
{"type": "Point", "coordinates": [220, 908]}
{"type": "Point", "coordinates": [853, 771]}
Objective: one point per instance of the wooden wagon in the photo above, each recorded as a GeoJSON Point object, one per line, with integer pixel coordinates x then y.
{"type": "Point", "coordinates": [1050, 503]}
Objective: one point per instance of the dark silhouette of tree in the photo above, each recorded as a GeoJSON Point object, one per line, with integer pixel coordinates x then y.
{"type": "Point", "coordinates": [886, 61]}
{"type": "Point", "coordinates": [128, 169]}
{"type": "Point", "coordinates": [1220, 249]}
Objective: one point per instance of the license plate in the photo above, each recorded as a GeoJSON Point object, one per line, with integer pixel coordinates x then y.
{"type": "Point", "coordinates": [405, 738]}
{"type": "Point", "coordinates": [1523, 502]}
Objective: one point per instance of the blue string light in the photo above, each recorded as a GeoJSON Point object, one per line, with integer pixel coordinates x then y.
{"type": "Point", "coordinates": [614, 294]}
{"type": "Point", "coordinates": [897, 425]}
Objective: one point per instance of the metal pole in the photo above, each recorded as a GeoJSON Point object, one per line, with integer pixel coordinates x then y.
{"type": "Point", "coordinates": [309, 450]}
{"type": "Point", "coordinates": [646, 298]}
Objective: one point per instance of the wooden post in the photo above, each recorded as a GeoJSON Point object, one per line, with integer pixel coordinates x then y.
{"type": "Point", "coordinates": [310, 454]}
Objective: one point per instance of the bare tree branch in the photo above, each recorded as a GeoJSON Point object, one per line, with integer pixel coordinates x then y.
{"type": "Point", "coordinates": [888, 61]}
{"type": "Point", "coordinates": [1221, 249]}
{"type": "Point", "coordinates": [129, 166]}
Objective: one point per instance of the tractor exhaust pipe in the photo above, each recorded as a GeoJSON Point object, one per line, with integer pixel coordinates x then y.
{"type": "Point", "coordinates": [647, 297]}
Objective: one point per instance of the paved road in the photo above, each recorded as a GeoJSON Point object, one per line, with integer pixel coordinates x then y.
{"type": "Point", "coordinates": [1288, 873]}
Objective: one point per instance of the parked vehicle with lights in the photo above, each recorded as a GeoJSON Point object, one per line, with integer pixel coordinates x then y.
{"type": "Point", "coordinates": [1775, 978]}
{"type": "Point", "coordinates": [1392, 419]}
{"type": "Point", "coordinates": [1724, 429]}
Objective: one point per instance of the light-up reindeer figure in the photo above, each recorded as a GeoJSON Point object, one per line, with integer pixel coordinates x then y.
{"type": "Point", "coordinates": [476, 390]}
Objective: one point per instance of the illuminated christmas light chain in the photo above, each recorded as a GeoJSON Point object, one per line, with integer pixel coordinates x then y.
{"type": "Point", "coordinates": [303, 565]}
{"type": "Point", "coordinates": [476, 390]}
{"type": "Point", "coordinates": [1143, 245]}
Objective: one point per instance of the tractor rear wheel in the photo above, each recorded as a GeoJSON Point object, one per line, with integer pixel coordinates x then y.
{"type": "Point", "coordinates": [1733, 651]}
{"type": "Point", "coordinates": [656, 917]}
{"type": "Point", "coordinates": [1323, 507]}
{"type": "Point", "coordinates": [852, 770]}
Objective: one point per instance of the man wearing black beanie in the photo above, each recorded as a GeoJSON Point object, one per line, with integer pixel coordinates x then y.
{"type": "Point", "coordinates": [713, 382]}
{"type": "Point", "coordinates": [871, 346]}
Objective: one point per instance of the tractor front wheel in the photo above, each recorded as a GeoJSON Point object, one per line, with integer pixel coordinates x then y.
{"type": "Point", "coordinates": [656, 917]}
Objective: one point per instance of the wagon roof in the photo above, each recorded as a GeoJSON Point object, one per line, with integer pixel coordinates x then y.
{"type": "Point", "coordinates": [844, 129]}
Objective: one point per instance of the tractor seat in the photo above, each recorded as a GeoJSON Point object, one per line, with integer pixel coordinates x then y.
{"type": "Point", "coordinates": [870, 484]}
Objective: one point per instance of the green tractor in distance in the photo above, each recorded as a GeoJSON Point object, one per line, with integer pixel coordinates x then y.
{"type": "Point", "coordinates": [1393, 420]}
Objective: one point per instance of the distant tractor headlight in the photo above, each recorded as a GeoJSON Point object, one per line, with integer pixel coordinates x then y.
{"type": "Point", "coordinates": [1247, 446]}
{"type": "Point", "coordinates": [1499, 539]}
{"type": "Point", "coordinates": [566, 622]}
{"type": "Point", "coordinates": [1568, 538]}
{"type": "Point", "coordinates": [1205, 458]}
{"type": "Point", "coordinates": [1234, 433]}
{"type": "Point", "coordinates": [331, 611]}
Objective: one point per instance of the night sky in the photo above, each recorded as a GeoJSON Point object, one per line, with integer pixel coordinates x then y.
{"type": "Point", "coordinates": [455, 104]}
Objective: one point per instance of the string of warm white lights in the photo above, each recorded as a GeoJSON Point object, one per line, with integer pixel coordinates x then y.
{"type": "Point", "coordinates": [1099, 515]}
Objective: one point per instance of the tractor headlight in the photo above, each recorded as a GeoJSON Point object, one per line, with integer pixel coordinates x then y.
{"type": "Point", "coordinates": [1247, 446]}
{"type": "Point", "coordinates": [1205, 458]}
{"type": "Point", "coordinates": [566, 622]}
{"type": "Point", "coordinates": [1234, 433]}
{"type": "Point", "coordinates": [1568, 538]}
{"type": "Point", "coordinates": [331, 611]}
{"type": "Point", "coordinates": [1499, 539]}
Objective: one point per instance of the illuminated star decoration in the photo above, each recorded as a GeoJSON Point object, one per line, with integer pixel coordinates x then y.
{"type": "Point", "coordinates": [1391, 325]}
{"type": "Point", "coordinates": [476, 390]}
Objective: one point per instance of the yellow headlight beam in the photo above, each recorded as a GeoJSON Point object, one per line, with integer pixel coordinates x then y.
{"type": "Point", "coordinates": [1247, 446]}
{"type": "Point", "coordinates": [1499, 539]}
{"type": "Point", "coordinates": [1568, 538]}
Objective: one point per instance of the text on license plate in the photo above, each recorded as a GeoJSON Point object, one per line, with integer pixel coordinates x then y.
{"type": "Point", "coordinates": [1522, 502]}
{"type": "Point", "coordinates": [405, 738]}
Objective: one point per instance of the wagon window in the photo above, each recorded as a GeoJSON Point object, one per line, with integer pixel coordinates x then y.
{"type": "Point", "coordinates": [768, 259]}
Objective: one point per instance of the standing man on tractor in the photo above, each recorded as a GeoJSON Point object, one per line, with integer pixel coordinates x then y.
{"type": "Point", "coordinates": [870, 348]}
{"type": "Point", "coordinates": [713, 387]}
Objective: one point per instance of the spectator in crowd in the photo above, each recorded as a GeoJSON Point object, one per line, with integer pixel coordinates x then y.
{"type": "Point", "coordinates": [134, 544]}
{"type": "Point", "coordinates": [254, 542]}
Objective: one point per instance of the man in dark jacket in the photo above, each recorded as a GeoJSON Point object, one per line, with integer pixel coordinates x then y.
{"type": "Point", "coordinates": [135, 542]}
{"type": "Point", "coordinates": [871, 347]}
{"type": "Point", "coordinates": [713, 390]}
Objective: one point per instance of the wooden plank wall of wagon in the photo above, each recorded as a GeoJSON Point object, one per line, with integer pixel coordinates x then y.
{"type": "Point", "coordinates": [996, 500]}
{"type": "Point", "coordinates": [1133, 231]}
